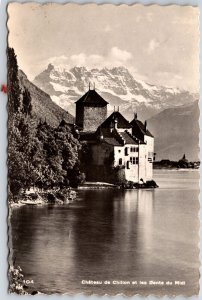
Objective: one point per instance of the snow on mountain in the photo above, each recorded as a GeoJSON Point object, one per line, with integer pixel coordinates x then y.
{"type": "Point", "coordinates": [43, 108]}
{"type": "Point", "coordinates": [117, 85]}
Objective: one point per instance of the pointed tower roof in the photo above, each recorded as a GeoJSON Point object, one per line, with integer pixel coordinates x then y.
{"type": "Point", "coordinates": [140, 127]}
{"type": "Point", "coordinates": [121, 121]}
{"type": "Point", "coordinates": [92, 97]}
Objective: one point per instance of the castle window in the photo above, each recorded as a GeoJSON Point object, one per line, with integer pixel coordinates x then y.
{"type": "Point", "coordinates": [134, 160]}
{"type": "Point", "coordinates": [134, 149]}
{"type": "Point", "coordinates": [120, 161]}
{"type": "Point", "coordinates": [126, 151]}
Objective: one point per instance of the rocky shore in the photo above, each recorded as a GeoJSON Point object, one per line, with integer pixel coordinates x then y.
{"type": "Point", "coordinates": [41, 197]}
{"type": "Point", "coordinates": [125, 185]}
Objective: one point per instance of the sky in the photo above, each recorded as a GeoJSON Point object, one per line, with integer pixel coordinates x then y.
{"type": "Point", "coordinates": [158, 44]}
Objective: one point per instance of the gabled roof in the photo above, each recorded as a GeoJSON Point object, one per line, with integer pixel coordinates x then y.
{"type": "Point", "coordinates": [138, 125]}
{"type": "Point", "coordinates": [121, 121]}
{"type": "Point", "coordinates": [111, 137]}
{"type": "Point", "coordinates": [92, 97]}
{"type": "Point", "coordinates": [116, 138]}
{"type": "Point", "coordinates": [128, 138]}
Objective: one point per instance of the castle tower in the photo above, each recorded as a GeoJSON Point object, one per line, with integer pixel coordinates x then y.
{"type": "Point", "coordinates": [91, 111]}
{"type": "Point", "coordinates": [141, 131]}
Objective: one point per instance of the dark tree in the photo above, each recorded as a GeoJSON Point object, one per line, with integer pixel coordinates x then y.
{"type": "Point", "coordinates": [13, 83]}
{"type": "Point", "coordinates": [26, 102]}
{"type": "Point", "coordinates": [38, 155]}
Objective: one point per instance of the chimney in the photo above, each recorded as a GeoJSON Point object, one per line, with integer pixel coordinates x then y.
{"type": "Point", "coordinates": [89, 86]}
{"type": "Point", "coordinates": [135, 116]}
{"type": "Point", "coordinates": [145, 125]}
{"type": "Point", "coordinates": [111, 126]}
{"type": "Point", "coordinates": [118, 108]}
{"type": "Point", "coordinates": [115, 123]}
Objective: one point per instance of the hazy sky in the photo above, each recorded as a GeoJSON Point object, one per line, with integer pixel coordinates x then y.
{"type": "Point", "coordinates": [159, 44]}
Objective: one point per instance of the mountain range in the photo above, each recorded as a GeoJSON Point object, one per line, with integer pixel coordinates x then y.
{"type": "Point", "coordinates": [173, 122]}
{"type": "Point", "coordinates": [43, 108]}
{"type": "Point", "coordinates": [116, 85]}
{"type": "Point", "coordinates": [176, 132]}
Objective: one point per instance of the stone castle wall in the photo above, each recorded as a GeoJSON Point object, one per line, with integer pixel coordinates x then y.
{"type": "Point", "coordinates": [93, 117]}
{"type": "Point", "coordinates": [105, 174]}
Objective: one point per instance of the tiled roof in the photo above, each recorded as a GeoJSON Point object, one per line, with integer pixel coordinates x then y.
{"type": "Point", "coordinates": [92, 97]}
{"type": "Point", "coordinates": [109, 137]}
{"type": "Point", "coordinates": [116, 138]}
{"type": "Point", "coordinates": [128, 138]}
{"type": "Point", "coordinates": [121, 121]}
{"type": "Point", "coordinates": [141, 127]}
{"type": "Point", "coordinates": [112, 141]}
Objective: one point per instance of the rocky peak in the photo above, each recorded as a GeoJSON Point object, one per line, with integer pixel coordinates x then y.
{"type": "Point", "coordinates": [117, 85]}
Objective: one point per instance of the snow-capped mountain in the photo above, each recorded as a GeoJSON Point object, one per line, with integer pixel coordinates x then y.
{"type": "Point", "coordinates": [43, 108]}
{"type": "Point", "coordinates": [117, 86]}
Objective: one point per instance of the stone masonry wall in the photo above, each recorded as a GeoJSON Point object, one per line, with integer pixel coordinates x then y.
{"type": "Point", "coordinates": [94, 117]}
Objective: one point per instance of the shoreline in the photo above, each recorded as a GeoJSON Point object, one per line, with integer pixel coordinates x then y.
{"type": "Point", "coordinates": [35, 197]}
{"type": "Point", "coordinates": [39, 198]}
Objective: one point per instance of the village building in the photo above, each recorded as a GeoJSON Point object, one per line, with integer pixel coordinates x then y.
{"type": "Point", "coordinates": [119, 150]}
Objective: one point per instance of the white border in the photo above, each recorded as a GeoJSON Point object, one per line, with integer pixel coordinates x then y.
{"type": "Point", "coordinates": [3, 149]}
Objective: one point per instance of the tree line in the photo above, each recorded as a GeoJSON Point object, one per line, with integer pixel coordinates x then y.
{"type": "Point", "coordinates": [38, 155]}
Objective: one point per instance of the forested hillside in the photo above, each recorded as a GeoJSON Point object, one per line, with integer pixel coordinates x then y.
{"type": "Point", "coordinates": [39, 155]}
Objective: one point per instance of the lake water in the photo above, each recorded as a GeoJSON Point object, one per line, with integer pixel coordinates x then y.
{"type": "Point", "coordinates": [114, 235]}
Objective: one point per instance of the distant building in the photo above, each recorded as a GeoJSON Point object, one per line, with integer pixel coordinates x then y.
{"type": "Point", "coordinates": [125, 148]}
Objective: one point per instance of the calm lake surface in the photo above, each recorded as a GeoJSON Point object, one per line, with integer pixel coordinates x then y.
{"type": "Point", "coordinates": [114, 235]}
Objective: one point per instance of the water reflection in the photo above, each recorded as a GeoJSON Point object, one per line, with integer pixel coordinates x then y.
{"type": "Point", "coordinates": [145, 213]}
{"type": "Point", "coordinates": [110, 235]}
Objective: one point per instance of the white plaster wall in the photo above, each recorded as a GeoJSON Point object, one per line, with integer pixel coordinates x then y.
{"type": "Point", "coordinates": [118, 155]}
{"type": "Point", "coordinates": [142, 162]}
{"type": "Point", "coordinates": [149, 154]}
{"type": "Point", "coordinates": [135, 172]}
{"type": "Point", "coordinates": [131, 173]}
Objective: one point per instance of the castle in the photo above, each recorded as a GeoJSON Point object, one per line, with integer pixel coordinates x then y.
{"type": "Point", "coordinates": [119, 149]}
